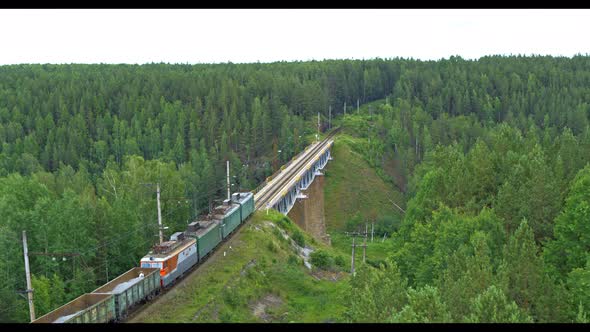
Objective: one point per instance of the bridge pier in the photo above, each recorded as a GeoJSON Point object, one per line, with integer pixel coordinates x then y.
{"type": "Point", "coordinates": [308, 213]}
{"type": "Point", "coordinates": [286, 202]}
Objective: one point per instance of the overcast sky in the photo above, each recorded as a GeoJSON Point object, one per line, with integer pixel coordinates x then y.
{"type": "Point", "coordinates": [248, 35]}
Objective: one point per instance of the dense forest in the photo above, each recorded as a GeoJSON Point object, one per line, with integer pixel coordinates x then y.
{"type": "Point", "coordinates": [492, 155]}
{"type": "Point", "coordinates": [80, 144]}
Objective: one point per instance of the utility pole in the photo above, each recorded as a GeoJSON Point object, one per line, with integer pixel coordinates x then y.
{"type": "Point", "coordinates": [365, 244]}
{"type": "Point", "coordinates": [345, 108]}
{"type": "Point", "coordinates": [29, 290]}
{"type": "Point", "coordinates": [318, 126]}
{"type": "Point", "coordinates": [352, 264]}
{"type": "Point", "coordinates": [159, 213]}
{"type": "Point", "coordinates": [228, 191]}
{"type": "Point", "coordinates": [354, 234]}
{"type": "Point", "coordinates": [372, 230]}
{"type": "Point", "coordinates": [357, 106]}
{"type": "Point", "coordinates": [330, 117]}
{"type": "Point", "coordinates": [160, 227]}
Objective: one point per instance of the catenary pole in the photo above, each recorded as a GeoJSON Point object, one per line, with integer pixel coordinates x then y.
{"type": "Point", "coordinates": [159, 213]}
{"type": "Point", "coordinates": [228, 190]}
{"type": "Point", "coordinates": [28, 275]}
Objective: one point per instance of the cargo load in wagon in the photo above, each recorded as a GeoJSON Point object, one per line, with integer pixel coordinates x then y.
{"type": "Point", "coordinates": [88, 308]}
{"type": "Point", "coordinates": [132, 287]}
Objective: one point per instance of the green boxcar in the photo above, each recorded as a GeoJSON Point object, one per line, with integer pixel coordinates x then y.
{"type": "Point", "coordinates": [208, 238]}
{"type": "Point", "coordinates": [231, 220]}
{"type": "Point", "coordinates": [88, 308]}
{"type": "Point", "coordinates": [247, 206]}
{"type": "Point", "coordinates": [129, 289]}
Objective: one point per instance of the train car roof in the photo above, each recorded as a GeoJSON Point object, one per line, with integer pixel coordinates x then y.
{"type": "Point", "coordinates": [207, 222]}
{"type": "Point", "coordinates": [176, 247]}
{"type": "Point", "coordinates": [206, 226]}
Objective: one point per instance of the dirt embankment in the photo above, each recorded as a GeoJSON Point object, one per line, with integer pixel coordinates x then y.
{"type": "Point", "coordinates": [308, 213]}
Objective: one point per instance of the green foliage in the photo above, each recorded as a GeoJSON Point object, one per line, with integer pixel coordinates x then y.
{"type": "Point", "coordinates": [492, 306]}
{"type": "Point", "coordinates": [582, 317]}
{"type": "Point", "coordinates": [375, 293]}
{"type": "Point", "coordinates": [355, 193]}
{"type": "Point", "coordinates": [569, 249]}
{"type": "Point", "coordinates": [476, 147]}
{"type": "Point", "coordinates": [325, 260]}
{"type": "Point", "coordinates": [293, 260]}
{"type": "Point", "coordinates": [528, 284]}
{"type": "Point", "coordinates": [298, 237]}
{"type": "Point", "coordinates": [272, 246]}
{"type": "Point", "coordinates": [469, 272]}
{"type": "Point", "coordinates": [340, 261]}
{"type": "Point", "coordinates": [387, 224]}
{"type": "Point", "coordinates": [424, 306]}
{"type": "Point", "coordinates": [321, 259]}
{"type": "Point", "coordinates": [578, 282]}
{"type": "Point", "coordinates": [353, 223]}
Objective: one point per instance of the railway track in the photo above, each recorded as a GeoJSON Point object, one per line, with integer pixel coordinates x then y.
{"type": "Point", "coordinates": [261, 198]}
{"type": "Point", "coordinates": [135, 311]}
{"type": "Point", "coordinates": [276, 185]}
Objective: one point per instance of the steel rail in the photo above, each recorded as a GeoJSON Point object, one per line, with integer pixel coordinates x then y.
{"type": "Point", "coordinates": [271, 189]}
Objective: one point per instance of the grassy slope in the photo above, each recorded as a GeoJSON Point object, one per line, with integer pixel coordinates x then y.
{"type": "Point", "coordinates": [352, 186]}
{"type": "Point", "coordinates": [226, 289]}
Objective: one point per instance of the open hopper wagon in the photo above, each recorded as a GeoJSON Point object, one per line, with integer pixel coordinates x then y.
{"type": "Point", "coordinates": [88, 308]}
{"type": "Point", "coordinates": [131, 287]}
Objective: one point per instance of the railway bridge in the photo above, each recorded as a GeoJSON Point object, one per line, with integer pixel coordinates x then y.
{"type": "Point", "coordinates": [281, 191]}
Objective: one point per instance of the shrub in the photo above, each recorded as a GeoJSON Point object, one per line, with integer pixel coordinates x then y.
{"type": "Point", "coordinates": [298, 238]}
{"type": "Point", "coordinates": [284, 223]}
{"type": "Point", "coordinates": [226, 316]}
{"type": "Point", "coordinates": [387, 224]}
{"type": "Point", "coordinates": [322, 259]}
{"type": "Point", "coordinates": [293, 260]}
{"type": "Point", "coordinates": [376, 262]}
{"type": "Point", "coordinates": [272, 246]}
{"type": "Point", "coordinates": [353, 223]}
{"type": "Point", "coordinates": [278, 234]}
{"type": "Point", "coordinates": [339, 261]}
{"type": "Point", "coordinates": [231, 297]}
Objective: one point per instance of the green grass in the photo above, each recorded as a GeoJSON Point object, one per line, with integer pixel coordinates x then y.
{"type": "Point", "coordinates": [225, 290]}
{"type": "Point", "coordinates": [352, 186]}
{"type": "Point", "coordinates": [376, 250]}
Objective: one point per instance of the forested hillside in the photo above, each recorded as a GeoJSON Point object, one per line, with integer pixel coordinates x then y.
{"type": "Point", "coordinates": [497, 177]}
{"type": "Point", "coordinates": [491, 155]}
{"type": "Point", "coordinates": [79, 143]}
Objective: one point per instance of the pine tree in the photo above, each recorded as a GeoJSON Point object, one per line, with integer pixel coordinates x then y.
{"type": "Point", "coordinates": [424, 306]}
{"type": "Point", "coordinates": [568, 250]}
{"type": "Point", "coordinates": [492, 306]}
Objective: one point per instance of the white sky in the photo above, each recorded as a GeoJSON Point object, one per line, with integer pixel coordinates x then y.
{"type": "Point", "coordinates": [266, 35]}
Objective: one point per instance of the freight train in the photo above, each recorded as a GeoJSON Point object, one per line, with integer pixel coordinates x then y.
{"type": "Point", "coordinates": [159, 269]}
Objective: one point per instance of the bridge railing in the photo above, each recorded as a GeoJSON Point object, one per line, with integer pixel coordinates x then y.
{"type": "Point", "coordinates": [281, 169]}
{"type": "Point", "coordinates": [272, 176]}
